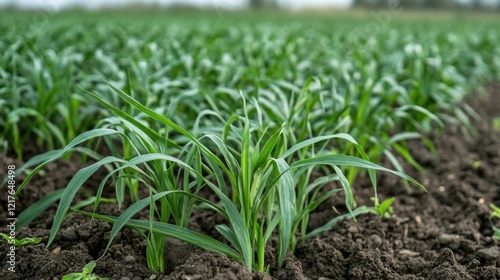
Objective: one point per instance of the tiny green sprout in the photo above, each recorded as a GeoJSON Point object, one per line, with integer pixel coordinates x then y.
{"type": "Point", "coordinates": [86, 273]}
{"type": "Point", "coordinates": [495, 214]}
{"type": "Point", "coordinates": [496, 211]}
{"type": "Point", "coordinates": [476, 164]}
{"type": "Point", "coordinates": [22, 242]}
{"type": "Point", "coordinates": [384, 209]}
{"type": "Point", "coordinates": [496, 232]}
{"type": "Point", "coordinates": [27, 171]}
{"type": "Point", "coordinates": [495, 124]}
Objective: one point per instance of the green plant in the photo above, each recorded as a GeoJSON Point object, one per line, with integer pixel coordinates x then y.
{"type": "Point", "coordinates": [384, 209]}
{"type": "Point", "coordinates": [495, 214]}
{"type": "Point", "coordinates": [86, 273]}
{"type": "Point", "coordinates": [496, 232]}
{"type": "Point", "coordinates": [496, 211]}
{"type": "Point", "coordinates": [21, 242]}
{"type": "Point", "coordinates": [246, 169]}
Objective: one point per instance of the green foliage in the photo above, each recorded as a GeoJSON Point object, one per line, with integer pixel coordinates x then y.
{"type": "Point", "coordinates": [270, 121]}
{"type": "Point", "coordinates": [384, 209]}
{"type": "Point", "coordinates": [495, 214]}
{"type": "Point", "coordinates": [496, 232]}
{"type": "Point", "coordinates": [22, 242]}
{"type": "Point", "coordinates": [262, 175]}
{"type": "Point", "coordinates": [397, 79]}
{"type": "Point", "coordinates": [86, 273]}
{"type": "Point", "coordinates": [496, 211]}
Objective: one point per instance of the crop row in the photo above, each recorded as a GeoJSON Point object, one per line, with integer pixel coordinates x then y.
{"type": "Point", "coordinates": [268, 115]}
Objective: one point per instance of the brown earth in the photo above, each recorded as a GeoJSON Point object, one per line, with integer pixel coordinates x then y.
{"type": "Point", "coordinates": [443, 234]}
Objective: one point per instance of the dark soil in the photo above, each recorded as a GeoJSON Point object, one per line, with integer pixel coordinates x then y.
{"type": "Point", "coordinates": [443, 234]}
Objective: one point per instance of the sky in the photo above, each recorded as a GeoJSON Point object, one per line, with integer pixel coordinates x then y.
{"type": "Point", "coordinates": [93, 4]}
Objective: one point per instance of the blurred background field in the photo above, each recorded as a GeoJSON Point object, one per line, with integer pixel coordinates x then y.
{"type": "Point", "coordinates": [223, 48]}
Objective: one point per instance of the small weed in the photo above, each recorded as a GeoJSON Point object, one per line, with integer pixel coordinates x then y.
{"type": "Point", "coordinates": [495, 214]}
{"type": "Point", "coordinates": [496, 232]}
{"type": "Point", "coordinates": [496, 211]}
{"type": "Point", "coordinates": [384, 209]}
{"type": "Point", "coordinates": [476, 164]}
{"type": "Point", "coordinates": [86, 273]}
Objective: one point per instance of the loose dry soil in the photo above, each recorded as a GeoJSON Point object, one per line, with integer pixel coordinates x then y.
{"type": "Point", "coordinates": [443, 234]}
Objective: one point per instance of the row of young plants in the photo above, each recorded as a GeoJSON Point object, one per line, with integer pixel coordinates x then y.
{"type": "Point", "coordinates": [264, 183]}
{"type": "Point", "coordinates": [264, 117]}
{"type": "Point", "coordinates": [404, 63]}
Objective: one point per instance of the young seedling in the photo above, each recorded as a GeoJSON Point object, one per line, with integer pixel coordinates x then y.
{"type": "Point", "coordinates": [21, 242]}
{"type": "Point", "coordinates": [384, 209]}
{"type": "Point", "coordinates": [86, 273]}
{"type": "Point", "coordinates": [495, 214]}
{"type": "Point", "coordinates": [496, 232]}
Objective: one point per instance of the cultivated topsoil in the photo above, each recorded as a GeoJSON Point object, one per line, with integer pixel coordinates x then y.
{"type": "Point", "coordinates": [443, 234]}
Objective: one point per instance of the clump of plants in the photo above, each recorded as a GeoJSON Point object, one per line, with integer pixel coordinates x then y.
{"type": "Point", "coordinates": [263, 184]}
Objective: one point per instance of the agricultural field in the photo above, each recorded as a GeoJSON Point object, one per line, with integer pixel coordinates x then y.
{"type": "Point", "coordinates": [173, 145]}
